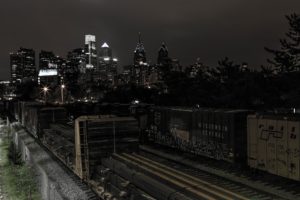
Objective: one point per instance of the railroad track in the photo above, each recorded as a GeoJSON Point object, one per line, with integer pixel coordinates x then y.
{"type": "Point", "coordinates": [243, 182]}
{"type": "Point", "coordinates": [191, 185]}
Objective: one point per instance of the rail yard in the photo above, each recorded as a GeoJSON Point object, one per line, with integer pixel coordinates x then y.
{"type": "Point", "coordinates": [131, 152]}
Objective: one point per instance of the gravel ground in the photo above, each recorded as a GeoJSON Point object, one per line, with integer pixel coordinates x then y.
{"type": "Point", "coordinates": [51, 176]}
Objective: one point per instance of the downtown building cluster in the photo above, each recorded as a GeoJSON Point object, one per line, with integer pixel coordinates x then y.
{"type": "Point", "coordinates": [92, 67]}
{"type": "Point", "coordinates": [81, 65]}
{"type": "Point", "coordinates": [144, 74]}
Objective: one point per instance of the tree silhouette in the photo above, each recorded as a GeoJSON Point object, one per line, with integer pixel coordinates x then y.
{"type": "Point", "coordinates": [287, 58]}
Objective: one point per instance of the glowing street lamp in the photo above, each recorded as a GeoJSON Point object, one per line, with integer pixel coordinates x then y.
{"type": "Point", "coordinates": [45, 90]}
{"type": "Point", "coordinates": [62, 87]}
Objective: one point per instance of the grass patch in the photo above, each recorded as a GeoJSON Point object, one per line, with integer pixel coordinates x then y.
{"type": "Point", "coordinates": [18, 179]}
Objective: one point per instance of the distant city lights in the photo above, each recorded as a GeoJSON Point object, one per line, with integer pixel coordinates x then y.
{"type": "Point", "coordinates": [45, 89]}
{"type": "Point", "coordinates": [106, 59]}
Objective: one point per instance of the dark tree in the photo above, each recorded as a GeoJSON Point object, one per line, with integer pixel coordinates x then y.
{"type": "Point", "coordinates": [287, 58]}
{"type": "Point", "coordinates": [27, 90]}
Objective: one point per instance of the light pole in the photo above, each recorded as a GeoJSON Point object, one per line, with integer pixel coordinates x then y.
{"type": "Point", "coordinates": [114, 132]}
{"type": "Point", "coordinates": [62, 93]}
{"type": "Point", "coordinates": [45, 90]}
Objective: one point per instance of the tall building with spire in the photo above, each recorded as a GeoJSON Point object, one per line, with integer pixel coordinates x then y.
{"type": "Point", "coordinates": [139, 71]}
{"type": "Point", "coordinates": [139, 52]}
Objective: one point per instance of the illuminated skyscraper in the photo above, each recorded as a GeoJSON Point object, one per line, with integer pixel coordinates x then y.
{"type": "Point", "coordinates": [139, 69]}
{"type": "Point", "coordinates": [105, 51]}
{"type": "Point", "coordinates": [16, 68]}
{"type": "Point", "coordinates": [139, 52]}
{"type": "Point", "coordinates": [91, 51]}
{"type": "Point", "coordinates": [107, 64]}
{"type": "Point", "coordinates": [22, 66]}
{"type": "Point", "coordinates": [91, 64]}
{"type": "Point", "coordinates": [46, 60]}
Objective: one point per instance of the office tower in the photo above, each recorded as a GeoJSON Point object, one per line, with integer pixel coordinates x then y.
{"type": "Point", "coordinates": [163, 55]}
{"type": "Point", "coordinates": [164, 62]}
{"type": "Point", "coordinates": [16, 68]}
{"type": "Point", "coordinates": [107, 64]}
{"type": "Point", "coordinates": [48, 77]}
{"type": "Point", "coordinates": [105, 51]}
{"type": "Point", "coordinates": [22, 64]}
{"type": "Point", "coordinates": [139, 52]}
{"type": "Point", "coordinates": [75, 66]}
{"type": "Point", "coordinates": [90, 51]}
{"type": "Point", "coordinates": [91, 59]}
{"type": "Point", "coordinates": [48, 60]}
{"type": "Point", "coordinates": [140, 67]}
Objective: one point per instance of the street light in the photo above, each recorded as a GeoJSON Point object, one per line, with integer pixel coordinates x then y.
{"type": "Point", "coordinates": [62, 92]}
{"type": "Point", "coordinates": [45, 90]}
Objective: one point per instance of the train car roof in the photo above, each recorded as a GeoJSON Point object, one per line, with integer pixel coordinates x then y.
{"type": "Point", "coordinates": [189, 109]}
{"type": "Point", "coordinates": [277, 116]}
{"type": "Point", "coordinates": [53, 108]}
{"type": "Point", "coordinates": [104, 118]}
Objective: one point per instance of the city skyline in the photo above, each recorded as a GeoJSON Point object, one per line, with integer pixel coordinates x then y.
{"type": "Point", "coordinates": [210, 31]}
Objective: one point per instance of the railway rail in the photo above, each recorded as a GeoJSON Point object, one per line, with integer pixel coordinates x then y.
{"type": "Point", "coordinates": [191, 185]}
{"type": "Point", "coordinates": [255, 186]}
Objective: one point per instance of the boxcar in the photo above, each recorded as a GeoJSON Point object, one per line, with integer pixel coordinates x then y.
{"type": "Point", "coordinates": [39, 117]}
{"type": "Point", "coordinates": [274, 144]}
{"type": "Point", "coordinates": [98, 137]}
{"type": "Point", "coordinates": [218, 134]}
{"type": "Point", "coordinates": [23, 110]}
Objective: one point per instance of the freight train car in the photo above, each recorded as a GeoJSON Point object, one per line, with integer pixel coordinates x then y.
{"type": "Point", "coordinates": [21, 114]}
{"type": "Point", "coordinates": [218, 134]}
{"type": "Point", "coordinates": [274, 144]}
{"type": "Point", "coordinates": [98, 137]}
{"type": "Point", "coordinates": [38, 117]}
{"type": "Point", "coordinates": [59, 139]}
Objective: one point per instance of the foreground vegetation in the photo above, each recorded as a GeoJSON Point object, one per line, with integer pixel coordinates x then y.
{"type": "Point", "coordinates": [17, 178]}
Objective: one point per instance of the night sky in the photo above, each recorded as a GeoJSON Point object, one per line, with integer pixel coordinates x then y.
{"type": "Point", "coordinates": [210, 29]}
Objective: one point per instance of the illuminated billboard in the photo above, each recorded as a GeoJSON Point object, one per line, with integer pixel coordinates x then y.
{"type": "Point", "coordinates": [90, 38]}
{"type": "Point", "coordinates": [48, 72]}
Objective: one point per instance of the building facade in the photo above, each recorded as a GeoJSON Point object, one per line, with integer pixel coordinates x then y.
{"type": "Point", "coordinates": [107, 67]}
{"type": "Point", "coordinates": [140, 66]}
{"type": "Point", "coordinates": [22, 65]}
